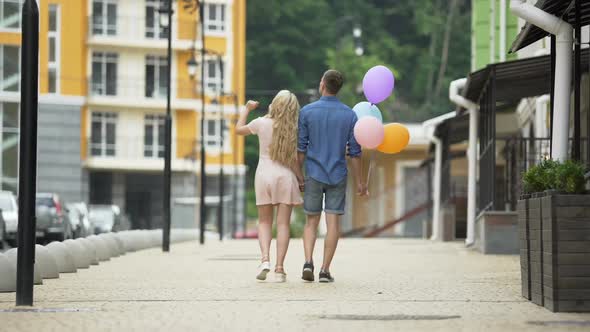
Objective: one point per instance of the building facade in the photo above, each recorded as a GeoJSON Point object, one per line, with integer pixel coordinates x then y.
{"type": "Point", "coordinates": [103, 87]}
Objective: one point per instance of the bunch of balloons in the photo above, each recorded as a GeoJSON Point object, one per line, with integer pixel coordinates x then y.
{"type": "Point", "coordinates": [369, 131]}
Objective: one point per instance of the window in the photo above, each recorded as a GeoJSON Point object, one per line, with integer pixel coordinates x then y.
{"type": "Point", "coordinates": [156, 74]}
{"type": "Point", "coordinates": [103, 134]}
{"type": "Point", "coordinates": [212, 130]}
{"type": "Point", "coordinates": [213, 75]}
{"type": "Point", "coordinates": [153, 29]}
{"type": "Point", "coordinates": [214, 18]}
{"type": "Point", "coordinates": [9, 68]}
{"type": "Point", "coordinates": [54, 49]}
{"type": "Point", "coordinates": [154, 136]}
{"type": "Point", "coordinates": [104, 17]}
{"type": "Point", "coordinates": [104, 73]}
{"type": "Point", "coordinates": [9, 118]}
{"type": "Point", "coordinates": [10, 14]}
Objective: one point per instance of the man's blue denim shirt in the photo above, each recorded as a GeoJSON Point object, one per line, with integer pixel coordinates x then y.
{"type": "Point", "coordinates": [326, 129]}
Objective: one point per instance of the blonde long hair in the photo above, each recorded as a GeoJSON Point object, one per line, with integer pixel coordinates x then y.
{"type": "Point", "coordinates": [284, 110]}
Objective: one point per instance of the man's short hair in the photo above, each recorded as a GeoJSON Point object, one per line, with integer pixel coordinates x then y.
{"type": "Point", "coordinates": [333, 81]}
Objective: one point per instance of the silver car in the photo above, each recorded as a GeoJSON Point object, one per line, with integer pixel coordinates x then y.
{"type": "Point", "coordinates": [53, 222]}
{"type": "Point", "coordinates": [10, 216]}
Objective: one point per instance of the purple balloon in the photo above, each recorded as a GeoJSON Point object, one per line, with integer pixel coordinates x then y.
{"type": "Point", "coordinates": [378, 84]}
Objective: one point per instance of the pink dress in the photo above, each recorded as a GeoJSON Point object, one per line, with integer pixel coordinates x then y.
{"type": "Point", "coordinates": [274, 183]}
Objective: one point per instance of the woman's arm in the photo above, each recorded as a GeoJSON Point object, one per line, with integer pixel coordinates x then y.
{"type": "Point", "coordinates": [241, 126]}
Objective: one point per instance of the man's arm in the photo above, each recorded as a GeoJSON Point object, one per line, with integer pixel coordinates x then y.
{"type": "Point", "coordinates": [354, 152]}
{"type": "Point", "coordinates": [361, 186]}
{"type": "Point", "coordinates": [302, 143]}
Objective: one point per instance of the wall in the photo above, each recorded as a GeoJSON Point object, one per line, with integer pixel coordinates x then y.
{"type": "Point", "coordinates": [58, 158]}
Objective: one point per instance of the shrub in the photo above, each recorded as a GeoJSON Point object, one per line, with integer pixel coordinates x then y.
{"type": "Point", "coordinates": [565, 177]}
{"type": "Point", "coordinates": [540, 177]}
{"type": "Point", "coordinates": [569, 177]}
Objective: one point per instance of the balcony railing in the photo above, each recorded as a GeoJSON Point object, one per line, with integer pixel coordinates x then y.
{"type": "Point", "coordinates": [139, 88]}
{"type": "Point", "coordinates": [138, 28]}
{"type": "Point", "coordinates": [140, 148]}
{"type": "Point", "coordinates": [522, 153]}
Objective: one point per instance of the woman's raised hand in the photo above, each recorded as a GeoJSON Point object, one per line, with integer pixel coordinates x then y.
{"type": "Point", "coordinates": [252, 105]}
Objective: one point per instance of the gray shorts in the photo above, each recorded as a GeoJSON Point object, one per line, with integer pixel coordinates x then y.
{"type": "Point", "coordinates": [315, 192]}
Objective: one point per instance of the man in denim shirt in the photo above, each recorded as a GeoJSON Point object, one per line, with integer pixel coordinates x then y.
{"type": "Point", "coordinates": [326, 133]}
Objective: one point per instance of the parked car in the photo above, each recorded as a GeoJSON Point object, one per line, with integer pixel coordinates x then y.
{"type": "Point", "coordinates": [107, 218]}
{"type": "Point", "coordinates": [9, 222]}
{"type": "Point", "coordinates": [78, 214]}
{"type": "Point", "coordinates": [2, 233]}
{"type": "Point", "coordinates": [53, 222]}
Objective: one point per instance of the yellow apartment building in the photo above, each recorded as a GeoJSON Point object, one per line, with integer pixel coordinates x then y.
{"type": "Point", "coordinates": [103, 90]}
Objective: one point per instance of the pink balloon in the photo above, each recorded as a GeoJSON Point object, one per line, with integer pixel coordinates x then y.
{"type": "Point", "coordinates": [369, 132]}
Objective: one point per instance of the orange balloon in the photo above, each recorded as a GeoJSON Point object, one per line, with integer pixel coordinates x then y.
{"type": "Point", "coordinates": [396, 138]}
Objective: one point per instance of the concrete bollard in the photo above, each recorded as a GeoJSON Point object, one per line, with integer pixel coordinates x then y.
{"type": "Point", "coordinates": [102, 250]}
{"type": "Point", "coordinates": [7, 275]}
{"type": "Point", "coordinates": [64, 259]}
{"type": "Point", "coordinates": [126, 240]}
{"type": "Point", "coordinates": [90, 250]}
{"type": "Point", "coordinates": [115, 248]}
{"type": "Point", "coordinates": [79, 252]}
{"type": "Point", "coordinates": [46, 263]}
{"type": "Point", "coordinates": [12, 257]}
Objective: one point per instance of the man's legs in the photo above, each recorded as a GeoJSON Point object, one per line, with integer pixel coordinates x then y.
{"type": "Point", "coordinates": [309, 235]}
{"type": "Point", "coordinates": [312, 204]}
{"type": "Point", "coordinates": [331, 240]}
{"type": "Point", "coordinates": [335, 203]}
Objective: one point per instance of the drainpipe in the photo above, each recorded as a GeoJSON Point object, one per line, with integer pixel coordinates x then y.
{"type": "Point", "coordinates": [436, 194]}
{"type": "Point", "coordinates": [493, 31]}
{"type": "Point", "coordinates": [563, 70]}
{"type": "Point", "coordinates": [541, 116]}
{"type": "Point", "coordinates": [473, 109]}
{"type": "Point", "coordinates": [502, 30]}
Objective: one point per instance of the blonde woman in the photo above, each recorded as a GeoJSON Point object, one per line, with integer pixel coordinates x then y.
{"type": "Point", "coordinates": [278, 178]}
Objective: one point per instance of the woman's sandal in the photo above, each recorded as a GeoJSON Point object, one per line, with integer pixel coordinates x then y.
{"type": "Point", "coordinates": [280, 275]}
{"type": "Point", "coordinates": [263, 270]}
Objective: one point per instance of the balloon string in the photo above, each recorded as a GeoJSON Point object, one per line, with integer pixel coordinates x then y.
{"type": "Point", "coordinates": [371, 162]}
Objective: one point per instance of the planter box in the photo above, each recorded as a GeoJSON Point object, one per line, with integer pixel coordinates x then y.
{"type": "Point", "coordinates": [554, 235]}
{"type": "Point", "coordinates": [522, 208]}
{"type": "Point", "coordinates": [566, 252]}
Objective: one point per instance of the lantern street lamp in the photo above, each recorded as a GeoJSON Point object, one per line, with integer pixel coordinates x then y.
{"type": "Point", "coordinates": [165, 18]}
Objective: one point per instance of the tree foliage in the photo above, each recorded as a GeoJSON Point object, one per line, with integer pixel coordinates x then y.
{"type": "Point", "coordinates": [425, 42]}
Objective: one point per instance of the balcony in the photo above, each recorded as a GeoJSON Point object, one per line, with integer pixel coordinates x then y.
{"type": "Point", "coordinates": [139, 93]}
{"type": "Point", "coordinates": [137, 32]}
{"type": "Point", "coordinates": [140, 153]}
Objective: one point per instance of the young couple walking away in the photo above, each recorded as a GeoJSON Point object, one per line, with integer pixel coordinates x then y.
{"type": "Point", "coordinates": [319, 137]}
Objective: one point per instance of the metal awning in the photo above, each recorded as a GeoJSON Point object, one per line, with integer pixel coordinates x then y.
{"type": "Point", "coordinates": [515, 80]}
{"type": "Point", "coordinates": [454, 130]}
{"type": "Point", "coordinates": [560, 8]}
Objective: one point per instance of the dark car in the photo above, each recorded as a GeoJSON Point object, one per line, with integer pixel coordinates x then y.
{"type": "Point", "coordinates": [107, 218]}
{"type": "Point", "coordinates": [53, 222]}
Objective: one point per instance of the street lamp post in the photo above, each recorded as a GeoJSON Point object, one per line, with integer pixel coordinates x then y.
{"type": "Point", "coordinates": [202, 213]}
{"type": "Point", "coordinates": [27, 154]}
{"type": "Point", "coordinates": [166, 21]}
{"type": "Point", "coordinates": [221, 148]}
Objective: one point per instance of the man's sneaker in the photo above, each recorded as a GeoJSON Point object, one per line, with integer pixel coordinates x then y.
{"type": "Point", "coordinates": [307, 272]}
{"type": "Point", "coordinates": [263, 270]}
{"type": "Point", "coordinates": [326, 277]}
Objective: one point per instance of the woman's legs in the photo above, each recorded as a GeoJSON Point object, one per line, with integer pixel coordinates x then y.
{"type": "Point", "coordinates": [265, 214]}
{"type": "Point", "coordinates": [283, 222]}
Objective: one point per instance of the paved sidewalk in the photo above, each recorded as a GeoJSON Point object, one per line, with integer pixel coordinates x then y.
{"type": "Point", "coordinates": [381, 284]}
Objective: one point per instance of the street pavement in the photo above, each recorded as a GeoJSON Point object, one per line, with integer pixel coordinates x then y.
{"type": "Point", "coordinates": [381, 285]}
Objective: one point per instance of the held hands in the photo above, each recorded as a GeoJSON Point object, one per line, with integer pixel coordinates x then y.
{"type": "Point", "coordinates": [251, 105]}
{"type": "Point", "coordinates": [362, 189]}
